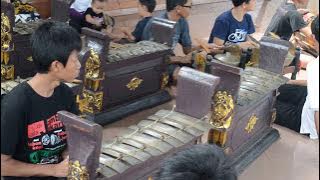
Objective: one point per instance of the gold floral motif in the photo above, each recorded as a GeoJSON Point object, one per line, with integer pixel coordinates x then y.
{"type": "Point", "coordinates": [219, 137]}
{"type": "Point", "coordinates": [5, 32]}
{"type": "Point", "coordinates": [7, 72]}
{"type": "Point", "coordinates": [134, 83]}
{"type": "Point", "coordinates": [223, 111]}
{"type": "Point", "coordinates": [165, 80]}
{"type": "Point", "coordinates": [251, 123]}
{"type": "Point", "coordinates": [77, 172]}
{"type": "Point", "coordinates": [200, 61]}
{"type": "Point", "coordinates": [93, 65]}
{"type": "Point", "coordinates": [90, 102]}
{"type": "Point", "coordinates": [5, 57]}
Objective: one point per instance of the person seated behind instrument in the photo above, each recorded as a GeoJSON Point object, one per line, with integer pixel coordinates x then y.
{"type": "Point", "coordinates": [301, 113]}
{"type": "Point", "coordinates": [234, 25]}
{"type": "Point", "coordinates": [200, 162]}
{"type": "Point", "coordinates": [145, 10]}
{"type": "Point", "coordinates": [310, 112]}
{"type": "Point", "coordinates": [33, 140]}
{"type": "Point", "coordinates": [177, 11]}
{"type": "Point", "coordinates": [76, 12]}
{"type": "Point", "coordinates": [95, 19]}
{"type": "Point", "coordinates": [288, 20]}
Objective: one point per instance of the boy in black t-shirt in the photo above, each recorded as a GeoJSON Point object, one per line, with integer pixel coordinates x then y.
{"type": "Point", "coordinates": [145, 10]}
{"type": "Point", "coordinates": [33, 139]}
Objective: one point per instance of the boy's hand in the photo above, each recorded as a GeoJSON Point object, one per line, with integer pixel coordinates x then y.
{"type": "Point", "coordinates": [61, 169]}
{"type": "Point", "coordinates": [214, 47]}
{"type": "Point", "coordinates": [98, 23]}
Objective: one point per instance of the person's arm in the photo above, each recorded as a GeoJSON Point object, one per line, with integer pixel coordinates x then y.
{"type": "Point", "coordinates": [12, 167]}
{"type": "Point", "coordinates": [219, 42]}
{"type": "Point", "coordinates": [185, 38]}
{"type": "Point", "coordinates": [298, 82]}
{"type": "Point", "coordinates": [316, 118]}
{"type": "Point", "coordinates": [218, 34]}
{"type": "Point", "coordinates": [306, 31]}
{"type": "Point", "coordinates": [181, 59]}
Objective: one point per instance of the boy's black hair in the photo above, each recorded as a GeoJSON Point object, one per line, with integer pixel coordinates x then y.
{"type": "Point", "coordinates": [237, 3]}
{"type": "Point", "coordinates": [171, 4]}
{"type": "Point", "coordinates": [53, 41]}
{"type": "Point", "coordinates": [200, 162]}
{"type": "Point", "coordinates": [150, 4]}
{"type": "Point", "coordinates": [315, 28]}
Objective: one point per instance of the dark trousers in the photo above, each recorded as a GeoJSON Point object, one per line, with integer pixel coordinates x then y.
{"type": "Point", "coordinates": [289, 106]}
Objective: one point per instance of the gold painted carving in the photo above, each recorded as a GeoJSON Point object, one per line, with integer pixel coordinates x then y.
{"type": "Point", "coordinates": [134, 83]}
{"type": "Point", "coordinates": [223, 111]}
{"type": "Point", "coordinates": [165, 80]}
{"type": "Point", "coordinates": [6, 36]}
{"type": "Point", "coordinates": [7, 72]}
{"type": "Point", "coordinates": [77, 172]}
{"type": "Point", "coordinates": [30, 59]}
{"type": "Point", "coordinates": [251, 123]}
{"type": "Point", "coordinates": [5, 57]}
{"type": "Point", "coordinates": [90, 101]}
{"type": "Point", "coordinates": [93, 65]}
{"type": "Point", "coordinates": [200, 61]}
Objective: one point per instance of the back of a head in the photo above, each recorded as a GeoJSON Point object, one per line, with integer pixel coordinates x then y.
{"type": "Point", "coordinates": [315, 28]}
{"type": "Point", "coordinates": [149, 4]}
{"type": "Point", "coordinates": [171, 4]}
{"type": "Point", "coordinates": [237, 3]}
{"type": "Point", "coordinates": [53, 41]}
{"type": "Point", "coordinates": [200, 162]}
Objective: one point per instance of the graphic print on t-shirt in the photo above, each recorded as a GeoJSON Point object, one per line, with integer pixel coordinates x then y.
{"type": "Point", "coordinates": [238, 36]}
{"type": "Point", "coordinates": [46, 140]}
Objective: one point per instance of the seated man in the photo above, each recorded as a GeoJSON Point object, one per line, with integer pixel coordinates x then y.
{"type": "Point", "coordinates": [177, 11]}
{"type": "Point", "coordinates": [33, 140]}
{"type": "Point", "coordinates": [298, 103]}
{"type": "Point", "coordinates": [234, 25]}
{"type": "Point", "coordinates": [145, 10]}
{"type": "Point", "coordinates": [289, 20]}
{"type": "Point", "coordinates": [200, 162]}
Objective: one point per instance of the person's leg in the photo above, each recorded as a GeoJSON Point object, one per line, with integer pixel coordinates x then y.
{"type": "Point", "coordinates": [292, 94]}
{"type": "Point", "coordinates": [289, 106]}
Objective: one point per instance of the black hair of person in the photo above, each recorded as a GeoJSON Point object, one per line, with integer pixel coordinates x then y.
{"type": "Point", "coordinates": [237, 3]}
{"type": "Point", "coordinates": [171, 4]}
{"type": "Point", "coordinates": [53, 41]}
{"type": "Point", "coordinates": [199, 162]}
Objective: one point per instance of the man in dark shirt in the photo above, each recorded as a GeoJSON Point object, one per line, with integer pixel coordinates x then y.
{"type": "Point", "coordinates": [234, 25]}
{"type": "Point", "coordinates": [288, 20]}
{"type": "Point", "coordinates": [145, 10]}
{"type": "Point", "coordinates": [33, 139]}
{"type": "Point", "coordinates": [177, 11]}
